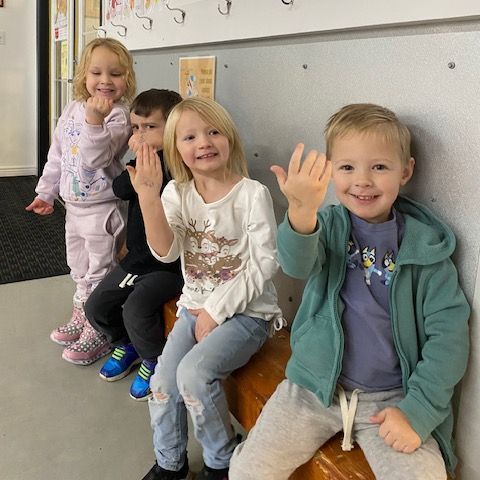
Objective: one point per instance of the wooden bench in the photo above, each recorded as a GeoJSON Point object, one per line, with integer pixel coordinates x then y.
{"type": "Point", "coordinates": [249, 388]}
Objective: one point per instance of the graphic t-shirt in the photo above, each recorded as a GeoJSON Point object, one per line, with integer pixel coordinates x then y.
{"type": "Point", "coordinates": [370, 361]}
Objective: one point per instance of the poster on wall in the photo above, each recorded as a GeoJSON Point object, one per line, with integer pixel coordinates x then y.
{"type": "Point", "coordinates": [197, 77]}
{"type": "Point", "coordinates": [61, 22]}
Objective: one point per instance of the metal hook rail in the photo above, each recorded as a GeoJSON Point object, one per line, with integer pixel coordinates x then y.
{"type": "Point", "coordinates": [147, 26]}
{"type": "Point", "coordinates": [100, 29]}
{"type": "Point", "coordinates": [124, 34]}
{"type": "Point", "coordinates": [183, 13]}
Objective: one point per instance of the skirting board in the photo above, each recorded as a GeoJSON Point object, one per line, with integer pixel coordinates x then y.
{"type": "Point", "coordinates": [17, 171]}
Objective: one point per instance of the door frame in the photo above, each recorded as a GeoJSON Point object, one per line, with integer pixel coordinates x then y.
{"type": "Point", "coordinates": [43, 83]}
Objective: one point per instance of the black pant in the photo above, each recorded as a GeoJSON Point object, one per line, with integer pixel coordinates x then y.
{"type": "Point", "coordinates": [140, 321]}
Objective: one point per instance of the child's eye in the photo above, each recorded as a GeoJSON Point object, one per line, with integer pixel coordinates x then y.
{"type": "Point", "coordinates": [134, 127]}
{"type": "Point", "coordinates": [347, 168]}
{"type": "Point", "coordinates": [380, 167]}
{"type": "Point", "coordinates": [150, 127]}
{"type": "Point", "coordinates": [188, 137]}
{"type": "Point", "coordinates": [214, 132]}
{"type": "Point", "coordinates": [116, 74]}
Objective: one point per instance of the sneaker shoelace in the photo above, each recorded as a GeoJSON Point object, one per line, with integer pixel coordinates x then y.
{"type": "Point", "coordinates": [119, 353]}
{"type": "Point", "coordinates": [145, 372]}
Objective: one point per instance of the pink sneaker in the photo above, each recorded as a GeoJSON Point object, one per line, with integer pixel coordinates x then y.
{"type": "Point", "coordinates": [70, 332]}
{"type": "Point", "coordinates": [91, 346]}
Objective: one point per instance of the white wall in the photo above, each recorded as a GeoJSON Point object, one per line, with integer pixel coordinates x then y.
{"type": "Point", "coordinates": [270, 18]}
{"type": "Point", "coordinates": [18, 95]}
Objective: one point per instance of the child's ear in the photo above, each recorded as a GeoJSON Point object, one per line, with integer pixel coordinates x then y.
{"type": "Point", "coordinates": [407, 171]}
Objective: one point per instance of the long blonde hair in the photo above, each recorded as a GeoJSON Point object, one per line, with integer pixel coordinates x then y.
{"type": "Point", "coordinates": [213, 114]}
{"type": "Point", "coordinates": [80, 91]}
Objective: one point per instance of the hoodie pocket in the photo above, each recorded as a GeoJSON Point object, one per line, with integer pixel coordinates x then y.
{"type": "Point", "coordinates": [316, 346]}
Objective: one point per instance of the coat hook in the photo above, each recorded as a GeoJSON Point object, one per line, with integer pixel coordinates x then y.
{"type": "Point", "coordinates": [124, 34]}
{"type": "Point", "coordinates": [146, 26]}
{"type": "Point", "coordinates": [179, 10]}
{"type": "Point", "coordinates": [288, 3]}
{"type": "Point", "coordinates": [228, 5]}
{"type": "Point", "coordinates": [99, 29]}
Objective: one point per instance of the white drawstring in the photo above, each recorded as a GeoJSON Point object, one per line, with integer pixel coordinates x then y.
{"type": "Point", "coordinates": [348, 415]}
{"type": "Point", "coordinates": [279, 323]}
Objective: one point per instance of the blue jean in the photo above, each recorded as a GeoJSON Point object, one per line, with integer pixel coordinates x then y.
{"type": "Point", "coordinates": [188, 377]}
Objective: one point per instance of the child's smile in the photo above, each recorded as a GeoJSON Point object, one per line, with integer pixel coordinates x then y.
{"type": "Point", "coordinates": [202, 147]}
{"type": "Point", "coordinates": [368, 174]}
{"type": "Point", "coordinates": [105, 76]}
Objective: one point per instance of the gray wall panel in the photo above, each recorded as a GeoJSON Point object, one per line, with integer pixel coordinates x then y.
{"type": "Point", "coordinates": [282, 91]}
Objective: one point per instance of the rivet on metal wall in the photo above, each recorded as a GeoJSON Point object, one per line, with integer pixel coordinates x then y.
{"type": "Point", "coordinates": [305, 66]}
{"type": "Point", "coordinates": [451, 65]}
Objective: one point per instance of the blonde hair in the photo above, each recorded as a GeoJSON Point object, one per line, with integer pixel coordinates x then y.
{"type": "Point", "coordinates": [80, 91]}
{"type": "Point", "coordinates": [213, 114]}
{"type": "Point", "coordinates": [368, 118]}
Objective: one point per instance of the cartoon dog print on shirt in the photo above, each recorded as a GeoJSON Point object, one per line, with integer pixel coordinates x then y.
{"type": "Point", "coordinates": [368, 261]}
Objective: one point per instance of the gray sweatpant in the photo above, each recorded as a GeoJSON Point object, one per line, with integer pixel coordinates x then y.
{"type": "Point", "coordinates": [294, 424]}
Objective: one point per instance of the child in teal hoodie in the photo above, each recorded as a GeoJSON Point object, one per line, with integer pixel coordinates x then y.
{"type": "Point", "coordinates": [381, 336]}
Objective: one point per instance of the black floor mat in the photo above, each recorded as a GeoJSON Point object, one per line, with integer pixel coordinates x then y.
{"type": "Point", "coordinates": [31, 246]}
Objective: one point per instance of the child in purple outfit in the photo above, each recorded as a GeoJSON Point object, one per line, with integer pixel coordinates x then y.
{"type": "Point", "coordinates": [89, 141]}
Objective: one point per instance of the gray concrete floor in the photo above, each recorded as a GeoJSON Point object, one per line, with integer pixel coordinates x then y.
{"type": "Point", "coordinates": [60, 421]}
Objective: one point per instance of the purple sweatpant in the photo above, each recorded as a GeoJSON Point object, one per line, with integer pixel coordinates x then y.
{"type": "Point", "coordinates": [93, 234]}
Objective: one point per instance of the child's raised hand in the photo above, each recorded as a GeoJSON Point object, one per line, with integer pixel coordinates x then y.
{"type": "Point", "coordinates": [147, 176]}
{"type": "Point", "coordinates": [396, 431]}
{"type": "Point", "coordinates": [305, 187]}
{"type": "Point", "coordinates": [205, 323]}
{"type": "Point", "coordinates": [96, 109]}
{"type": "Point", "coordinates": [40, 207]}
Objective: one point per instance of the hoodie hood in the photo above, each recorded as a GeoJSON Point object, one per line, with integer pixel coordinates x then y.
{"type": "Point", "coordinates": [438, 240]}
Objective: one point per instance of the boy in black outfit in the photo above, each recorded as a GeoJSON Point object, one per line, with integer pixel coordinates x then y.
{"type": "Point", "coordinates": [140, 283]}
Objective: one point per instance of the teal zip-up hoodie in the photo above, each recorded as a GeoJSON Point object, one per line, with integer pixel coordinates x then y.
{"type": "Point", "coordinates": [429, 314]}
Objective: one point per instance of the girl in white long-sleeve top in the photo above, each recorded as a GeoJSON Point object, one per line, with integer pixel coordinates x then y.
{"type": "Point", "coordinates": [221, 225]}
{"type": "Point", "coordinates": [85, 156]}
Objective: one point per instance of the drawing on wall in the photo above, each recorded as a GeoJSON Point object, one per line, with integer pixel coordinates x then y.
{"type": "Point", "coordinates": [197, 77]}
{"type": "Point", "coordinates": [114, 9]}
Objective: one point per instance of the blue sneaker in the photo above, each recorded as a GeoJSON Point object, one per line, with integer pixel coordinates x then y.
{"type": "Point", "coordinates": [120, 364]}
{"type": "Point", "coordinates": [140, 388]}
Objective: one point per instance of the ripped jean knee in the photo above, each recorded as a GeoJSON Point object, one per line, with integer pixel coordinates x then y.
{"type": "Point", "coordinates": [160, 397]}
{"type": "Point", "coordinates": [195, 407]}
